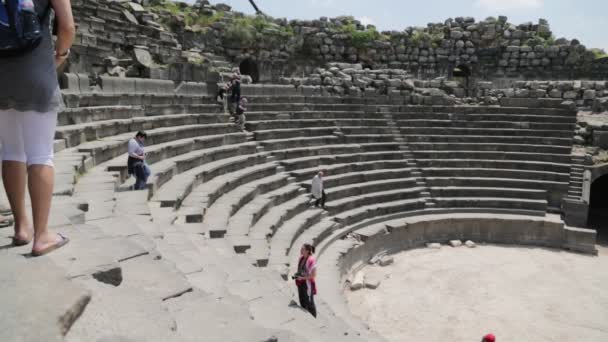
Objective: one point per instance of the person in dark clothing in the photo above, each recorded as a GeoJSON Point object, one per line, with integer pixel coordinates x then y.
{"type": "Point", "coordinates": [136, 164]}
{"type": "Point", "coordinates": [222, 92]}
{"type": "Point", "coordinates": [305, 278]}
{"type": "Point", "coordinates": [235, 86]}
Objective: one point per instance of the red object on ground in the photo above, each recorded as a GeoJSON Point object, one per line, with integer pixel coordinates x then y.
{"type": "Point", "coordinates": [489, 338]}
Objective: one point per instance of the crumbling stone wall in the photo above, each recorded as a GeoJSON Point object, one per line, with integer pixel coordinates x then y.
{"type": "Point", "coordinates": [183, 42]}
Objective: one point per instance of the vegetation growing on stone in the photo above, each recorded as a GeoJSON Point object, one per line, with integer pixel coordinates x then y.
{"type": "Point", "coordinates": [360, 38]}
{"type": "Point", "coordinates": [247, 30]}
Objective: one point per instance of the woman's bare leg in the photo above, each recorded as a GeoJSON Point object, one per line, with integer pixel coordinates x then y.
{"type": "Point", "coordinates": [40, 183]}
{"type": "Point", "coordinates": [14, 177]}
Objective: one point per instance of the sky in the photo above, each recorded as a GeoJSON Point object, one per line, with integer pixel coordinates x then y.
{"type": "Point", "coordinates": [586, 20]}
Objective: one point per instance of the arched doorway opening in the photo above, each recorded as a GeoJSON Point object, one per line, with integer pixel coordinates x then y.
{"type": "Point", "coordinates": [462, 73]}
{"type": "Point", "coordinates": [598, 209]}
{"type": "Point", "coordinates": [250, 68]}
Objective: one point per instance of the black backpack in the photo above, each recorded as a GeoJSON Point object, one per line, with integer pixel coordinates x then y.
{"type": "Point", "coordinates": [20, 27]}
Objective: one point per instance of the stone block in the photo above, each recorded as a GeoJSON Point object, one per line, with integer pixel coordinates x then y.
{"type": "Point", "coordinates": [153, 87]}
{"type": "Point", "coordinates": [69, 83]}
{"type": "Point", "coordinates": [117, 85]}
{"type": "Point", "coordinates": [38, 302]}
{"type": "Point", "coordinates": [358, 281]}
{"type": "Point", "coordinates": [192, 88]}
{"type": "Point", "coordinates": [470, 244]}
{"type": "Point", "coordinates": [433, 245]}
{"type": "Point", "coordinates": [576, 212]}
{"type": "Point", "coordinates": [372, 281]}
{"type": "Point", "coordinates": [580, 240]}
{"type": "Point", "coordinates": [589, 94]}
{"type": "Point", "coordinates": [600, 139]}
{"type": "Point", "coordinates": [455, 243]}
{"type": "Point", "coordinates": [386, 260]}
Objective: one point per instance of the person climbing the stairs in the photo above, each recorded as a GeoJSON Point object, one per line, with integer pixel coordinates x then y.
{"type": "Point", "coordinates": [318, 191]}
{"type": "Point", "coordinates": [136, 164]}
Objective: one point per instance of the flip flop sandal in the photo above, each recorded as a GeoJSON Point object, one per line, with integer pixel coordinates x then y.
{"type": "Point", "coordinates": [7, 221]}
{"type": "Point", "coordinates": [64, 241]}
{"type": "Point", "coordinates": [19, 242]}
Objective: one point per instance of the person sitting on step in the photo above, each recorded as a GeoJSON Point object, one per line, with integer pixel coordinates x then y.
{"type": "Point", "coordinates": [305, 278]}
{"type": "Point", "coordinates": [318, 191]}
{"type": "Point", "coordinates": [136, 164]}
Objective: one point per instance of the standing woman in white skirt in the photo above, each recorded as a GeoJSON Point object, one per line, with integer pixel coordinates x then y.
{"type": "Point", "coordinates": [29, 102]}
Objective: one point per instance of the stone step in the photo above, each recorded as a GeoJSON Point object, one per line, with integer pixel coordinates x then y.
{"type": "Point", "coordinates": [328, 159]}
{"type": "Point", "coordinates": [513, 132]}
{"type": "Point", "coordinates": [271, 223]}
{"type": "Point", "coordinates": [205, 195]}
{"type": "Point", "coordinates": [243, 220]}
{"type": "Point", "coordinates": [268, 115]}
{"type": "Point", "coordinates": [175, 191]}
{"type": "Point", "coordinates": [367, 130]}
{"type": "Point", "coordinates": [335, 181]}
{"type": "Point", "coordinates": [479, 191]}
{"type": "Point", "coordinates": [164, 171]}
{"type": "Point", "coordinates": [494, 147]}
{"type": "Point", "coordinates": [313, 151]}
{"type": "Point", "coordinates": [74, 116]}
{"type": "Point", "coordinates": [331, 170]}
{"type": "Point", "coordinates": [509, 124]}
{"type": "Point", "coordinates": [217, 216]}
{"type": "Point", "coordinates": [276, 134]}
{"type": "Point", "coordinates": [490, 202]}
{"type": "Point", "coordinates": [117, 146]}
{"type": "Point", "coordinates": [495, 155]}
{"type": "Point", "coordinates": [299, 142]}
{"type": "Point", "coordinates": [125, 311]}
{"type": "Point", "coordinates": [362, 199]}
{"type": "Point", "coordinates": [489, 172]}
{"type": "Point", "coordinates": [378, 209]}
{"type": "Point", "coordinates": [495, 164]}
{"type": "Point", "coordinates": [77, 134]}
{"type": "Point", "coordinates": [486, 117]}
{"type": "Point", "coordinates": [286, 124]}
{"type": "Point", "coordinates": [284, 238]}
{"type": "Point", "coordinates": [484, 139]}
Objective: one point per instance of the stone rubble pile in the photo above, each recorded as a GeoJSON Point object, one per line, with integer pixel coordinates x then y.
{"type": "Point", "coordinates": [591, 94]}
{"type": "Point", "coordinates": [351, 79]}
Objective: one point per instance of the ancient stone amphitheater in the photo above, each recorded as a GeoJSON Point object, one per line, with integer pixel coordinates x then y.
{"type": "Point", "coordinates": [420, 150]}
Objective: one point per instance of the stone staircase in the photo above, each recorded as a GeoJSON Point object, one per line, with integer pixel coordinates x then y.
{"type": "Point", "coordinates": [575, 186]}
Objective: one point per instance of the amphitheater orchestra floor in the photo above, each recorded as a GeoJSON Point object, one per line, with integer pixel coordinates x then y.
{"type": "Point", "coordinates": [459, 294]}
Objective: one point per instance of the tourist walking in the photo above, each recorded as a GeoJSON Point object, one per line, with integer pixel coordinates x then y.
{"type": "Point", "coordinates": [305, 278]}
{"type": "Point", "coordinates": [235, 87]}
{"type": "Point", "coordinates": [318, 191]}
{"type": "Point", "coordinates": [240, 113]}
{"type": "Point", "coordinates": [29, 102]}
{"type": "Point", "coordinates": [136, 164]}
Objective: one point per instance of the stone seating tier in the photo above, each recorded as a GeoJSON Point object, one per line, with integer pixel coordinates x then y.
{"type": "Point", "coordinates": [221, 197]}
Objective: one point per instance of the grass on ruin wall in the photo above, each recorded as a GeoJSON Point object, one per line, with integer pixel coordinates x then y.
{"type": "Point", "coordinates": [247, 30]}
{"type": "Point", "coordinates": [191, 17]}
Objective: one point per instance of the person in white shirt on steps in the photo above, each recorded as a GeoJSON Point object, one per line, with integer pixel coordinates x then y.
{"type": "Point", "coordinates": [318, 192]}
{"type": "Point", "coordinates": [136, 163]}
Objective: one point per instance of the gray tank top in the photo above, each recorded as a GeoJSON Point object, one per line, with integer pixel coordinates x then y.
{"type": "Point", "coordinates": [29, 82]}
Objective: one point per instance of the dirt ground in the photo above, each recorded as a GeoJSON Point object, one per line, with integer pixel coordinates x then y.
{"type": "Point", "coordinates": [459, 294]}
